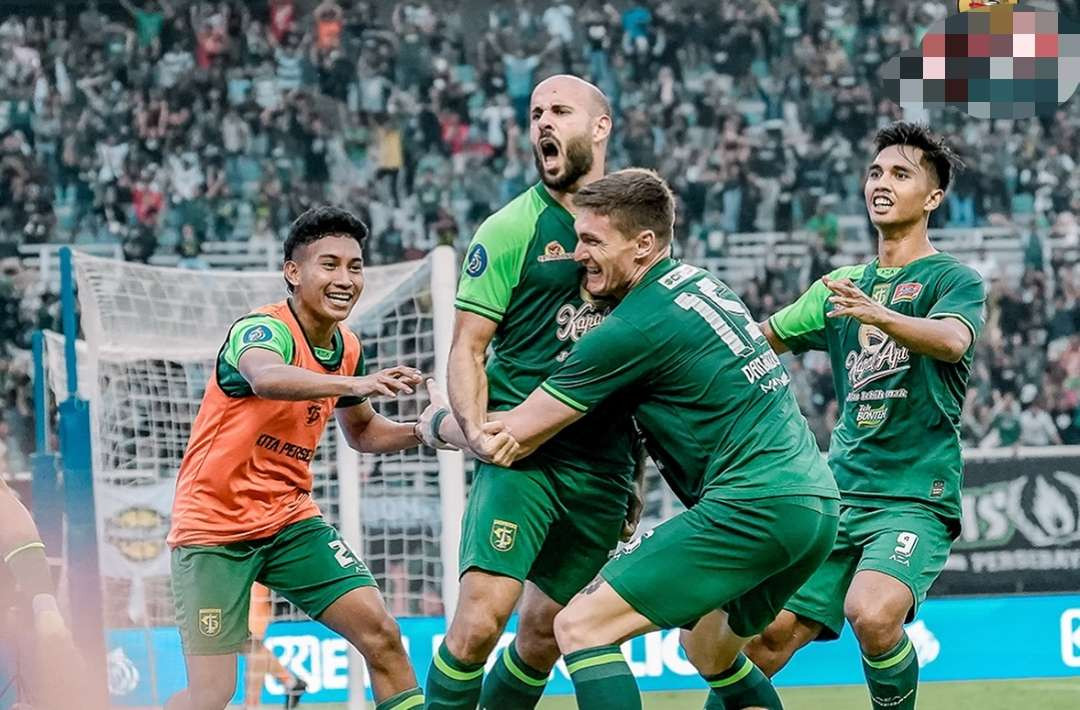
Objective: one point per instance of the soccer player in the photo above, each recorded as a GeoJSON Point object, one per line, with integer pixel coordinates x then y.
{"type": "Point", "coordinates": [243, 510]}
{"type": "Point", "coordinates": [26, 585]}
{"type": "Point", "coordinates": [900, 332]}
{"type": "Point", "coordinates": [713, 402]}
{"type": "Point", "coordinates": [541, 532]}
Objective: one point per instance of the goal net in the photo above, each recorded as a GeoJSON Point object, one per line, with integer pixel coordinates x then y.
{"type": "Point", "coordinates": [151, 338]}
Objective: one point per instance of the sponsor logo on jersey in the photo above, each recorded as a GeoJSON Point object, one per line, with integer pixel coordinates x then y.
{"type": "Point", "coordinates": [576, 321]}
{"type": "Point", "coordinates": [870, 417]}
{"type": "Point", "coordinates": [555, 252]}
{"type": "Point", "coordinates": [137, 532]}
{"type": "Point", "coordinates": [937, 489]}
{"type": "Point", "coordinates": [477, 261]}
{"type": "Point", "coordinates": [257, 334]}
{"type": "Point", "coordinates": [210, 622]}
{"type": "Point", "coordinates": [878, 356]}
{"type": "Point", "coordinates": [906, 292]}
{"type": "Point", "coordinates": [503, 535]}
{"type": "Point", "coordinates": [677, 275]}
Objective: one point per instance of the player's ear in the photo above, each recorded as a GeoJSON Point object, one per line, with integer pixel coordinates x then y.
{"type": "Point", "coordinates": [933, 200]}
{"type": "Point", "coordinates": [601, 128]}
{"type": "Point", "coordinates": [292, 273]}
{"type": "Point", "coordinates": [646, 244]}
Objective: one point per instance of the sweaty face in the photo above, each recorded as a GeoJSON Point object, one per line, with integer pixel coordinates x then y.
{"type": "Point", "coordinates": [560, 128]}
{"type": "Point", "coordinates": [608, 256]}
{"type": "Point", "coordinates": [328, 276]}
{"type": "Point", "coordinates": [898, 185]}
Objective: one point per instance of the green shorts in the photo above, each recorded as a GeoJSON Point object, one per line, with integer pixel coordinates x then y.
{"type": "Point", "coordinates": [553, 527]}
{"type": "Point", "coordinates": [743, 556]}
{"type": "Point", "coordinates": [907, 541]}
{"type": "Point", "coordinates": [307, 563]}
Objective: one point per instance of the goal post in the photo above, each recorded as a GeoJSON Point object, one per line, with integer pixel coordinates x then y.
{"type": "Point", "coordinates": [151, 338]}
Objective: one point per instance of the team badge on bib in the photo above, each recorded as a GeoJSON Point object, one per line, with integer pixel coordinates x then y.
{"type": "Point", "coordinates": [503, 535]}
{"type": "Point", "coordinates": [210, 622]}
{"type": "Point", "coordinates": [258, 334]}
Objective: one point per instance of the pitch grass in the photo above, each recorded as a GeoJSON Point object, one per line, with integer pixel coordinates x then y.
{"type": "Point", "coordinates": [1050, 694]}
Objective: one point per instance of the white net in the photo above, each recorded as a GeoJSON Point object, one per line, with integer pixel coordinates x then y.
{"type": "Point", "coordinates": [152, 335]}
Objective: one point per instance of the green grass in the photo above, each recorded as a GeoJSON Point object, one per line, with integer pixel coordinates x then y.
{"type": "Point", "coordinates": [1052, 694]}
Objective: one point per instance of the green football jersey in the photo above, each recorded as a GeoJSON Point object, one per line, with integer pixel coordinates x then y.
{"type": "Point", "coordinates": [898, 432]}
{"type": "Point", "coordinates": [709, 394]}
{"type": "Point", "coordinates": [520, 272]}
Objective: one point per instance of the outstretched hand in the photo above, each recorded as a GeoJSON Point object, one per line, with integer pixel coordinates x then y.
{"type": "Point", "coordinates": [849, 300]}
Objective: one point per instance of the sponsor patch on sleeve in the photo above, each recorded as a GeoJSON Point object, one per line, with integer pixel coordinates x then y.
{"type": "Point", "coordinates": [257, 334]}
{"type": "Point", "coordinates": [477, 261]}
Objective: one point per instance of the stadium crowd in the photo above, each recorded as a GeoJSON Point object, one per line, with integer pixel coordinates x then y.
{"type": "Point", "coordinates": [161, 124]}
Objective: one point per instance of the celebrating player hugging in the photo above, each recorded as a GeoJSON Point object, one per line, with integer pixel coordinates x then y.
{"type": "Point", "coordinates": [681, 352]}
{"type": "Point", "coordinates": [243, 511]}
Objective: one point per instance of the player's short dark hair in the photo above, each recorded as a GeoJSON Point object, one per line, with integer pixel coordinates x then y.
{"type": "Point", "coordinates": [323, 221]}
{"type": "Point", "coordinates": [634, 199]}
{"type": "Point", "coordinates": [937, 154]}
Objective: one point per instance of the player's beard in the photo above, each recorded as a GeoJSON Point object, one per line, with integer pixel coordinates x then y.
{"type": "Point", "coordinates": [578, 161]}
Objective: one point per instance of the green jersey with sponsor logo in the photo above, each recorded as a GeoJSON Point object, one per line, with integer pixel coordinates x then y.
{"type": "Point", "coordinates": [520, 272]}
{"type": "Point", "coordinates": [898, 433]}
{"type": "Point", "coordinates": [269, 333]}
{"type": "Point", "coordinates": [708, 392]}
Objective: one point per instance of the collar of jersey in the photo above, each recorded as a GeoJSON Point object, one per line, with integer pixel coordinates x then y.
{"type": "Point", "coordinates": [336, 342]}
{"type": "Point", "coordinates": [890, 272]}
{"type": "Point", "coordinates": [657, 270]}
{"type": "Point", "coordinates": [553, 203]}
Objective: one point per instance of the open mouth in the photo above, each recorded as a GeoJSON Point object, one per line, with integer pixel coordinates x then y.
{"type": "Point", "coordinates": [881, 203]}
{"type": "Point", "coordinates": [549, 152]}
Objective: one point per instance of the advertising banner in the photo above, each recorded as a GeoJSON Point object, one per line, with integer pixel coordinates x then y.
{"type": "Point", "coordinates": [955, 639]}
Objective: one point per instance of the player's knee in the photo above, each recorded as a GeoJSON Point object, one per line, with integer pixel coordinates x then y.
{"type": "Point", "coordinates": [380, 641]}
{"type": "Point", "coordinates": [474, 633]}
{"type": "Point", "coordinates": [773, 648]}
{"type": "Point", "coordinates": [876, 626]}
{"type": "Point", "coordinates": [535, 639]}
{"type": "Point", "coordinates": [573, 629]}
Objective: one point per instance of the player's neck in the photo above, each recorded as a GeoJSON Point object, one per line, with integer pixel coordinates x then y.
{"type": "Point", "coordinates": [566, 198]}
{"type": "Point", "coordinates": [901, 246]}
{"type": "Point", "coordinates": [640, 272]}
{"type": "Point", "coordinates": [319, 331]}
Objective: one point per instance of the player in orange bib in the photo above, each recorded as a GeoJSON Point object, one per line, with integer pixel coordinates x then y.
{"type": "Point", "coordinates": [243, 511]}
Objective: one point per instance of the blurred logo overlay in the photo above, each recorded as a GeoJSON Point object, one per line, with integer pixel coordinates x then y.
{"type": "Point", "coordinates": [990, 60]}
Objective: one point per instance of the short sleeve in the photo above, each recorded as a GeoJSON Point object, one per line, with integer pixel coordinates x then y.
{"type": "Point", "coordinates": [261, 331]}
{"type": "Point", "coordinates": [962, 296]}
{"type": "Point", "coordinates": [492, 268]}
{"type": "Point", "coordinates": [360, 371]}
{"type": "Point", "coordinates": [610, 357]}
{"type": "Point", "coordinates": [801, 325]}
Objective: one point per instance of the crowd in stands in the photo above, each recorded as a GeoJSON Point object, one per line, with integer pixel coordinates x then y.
{"type": "Point", "coordinates": [160, 124]}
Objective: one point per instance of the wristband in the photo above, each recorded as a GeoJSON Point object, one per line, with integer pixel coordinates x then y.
{"type": "Point", "coordinates": [436, 422]}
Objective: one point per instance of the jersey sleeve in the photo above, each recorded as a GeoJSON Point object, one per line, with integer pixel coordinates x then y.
{"type": "Point", "coordinates": [262, 331]}
{"type": "Point", "coordinates": [492, 268]}
{"type": "Point", "coordinates": [610, 357]}
{"type": "Point", "coordinates": [801, 325]}
{"type": "Point", "coordinates": [963, 297]}
{"type": "Point", "coordinates": [360, 371]}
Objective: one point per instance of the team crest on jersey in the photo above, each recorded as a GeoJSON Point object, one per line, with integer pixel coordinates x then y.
{"type": "Point", "coordinates": [503, 535]}
{"type": "Point", "coordinates": [880, 293]}
{"type": "Point", "coordinates": [906, 292]}
{"type": "Point", "coordinates": [210, 622]}
{"type": "Point", "coordinates": [313, 413]}
{"type": "Point", "coordinates": [554, 252]}
{"type": "Point", "coordinates": [477, 261]}
{"type": "Point", "coordinates": [878, 356]}
{"type": "Point", "coordinates": [257, 334]}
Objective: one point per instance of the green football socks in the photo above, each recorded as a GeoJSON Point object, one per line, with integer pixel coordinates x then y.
{"type": "Point", "coordinates": [741, 686]}
{"type": "Point", "coordinates": [602, 680]}
{"type": "Point", "coordinates": [408, 700]}
{"type": "Point", "coordinates": [452, 684]}
{"type": "Point", "coordinates": [512, 684]}
{"type": "Point", "coordinates": [893, 677]}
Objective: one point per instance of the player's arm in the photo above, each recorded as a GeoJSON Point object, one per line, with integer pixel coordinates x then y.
{"type": "Point", "coordinates": [489, 275]}
{"type": "Point", "coordinates": [467, 382]}
{"type": "Point", "coordinates": [260, 349]}
{"type": "Point", "coordinates": [800, 326]}
{"type": "Point", "coordinates": [946, 333]}
{"type": "Point", "coordinates": [368, 431]}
